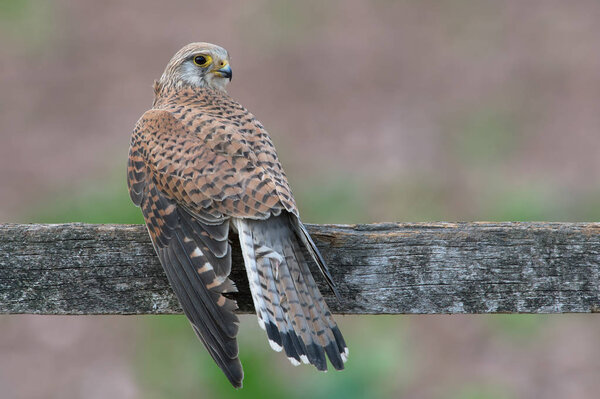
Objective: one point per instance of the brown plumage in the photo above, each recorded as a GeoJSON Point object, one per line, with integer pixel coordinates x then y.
{"type": "Point", "coordinates": [200, 164]}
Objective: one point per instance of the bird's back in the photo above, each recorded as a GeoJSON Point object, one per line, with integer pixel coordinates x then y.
{"type": "Point", "coordinates": [226, 143]}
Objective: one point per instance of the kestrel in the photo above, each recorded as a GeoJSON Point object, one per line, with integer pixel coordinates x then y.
{"type": "Point", "coordinates": [199, 165]}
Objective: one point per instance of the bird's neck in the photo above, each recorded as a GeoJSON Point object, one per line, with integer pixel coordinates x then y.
{"type": "Point", "coordinates": [166, 96]}
{"type": "Point", "coordinates": [165, 88]}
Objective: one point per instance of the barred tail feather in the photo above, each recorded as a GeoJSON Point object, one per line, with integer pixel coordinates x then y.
{"type": "Point", "coordinates": [288, 303]}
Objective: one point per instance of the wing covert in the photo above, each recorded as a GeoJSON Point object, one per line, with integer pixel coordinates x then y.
{"type": "Point", "coordinates": [213, 171]}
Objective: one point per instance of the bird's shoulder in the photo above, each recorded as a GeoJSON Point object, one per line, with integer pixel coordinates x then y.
{"type": "Point", "coordinates": [209, 116]}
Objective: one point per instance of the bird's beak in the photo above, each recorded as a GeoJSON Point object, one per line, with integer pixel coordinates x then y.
{"type": "Point", "coordinates": [224, 71]}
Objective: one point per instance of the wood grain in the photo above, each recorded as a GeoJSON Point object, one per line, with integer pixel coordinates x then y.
{"type": "Point", "coordinates": [379, 268]}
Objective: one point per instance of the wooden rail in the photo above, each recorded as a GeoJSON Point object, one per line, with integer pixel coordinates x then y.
{"type": "Point", "coordinates": [379, 268]}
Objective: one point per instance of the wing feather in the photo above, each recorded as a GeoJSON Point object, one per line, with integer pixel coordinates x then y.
{"type": "Point", "coordinates": [195, 256]}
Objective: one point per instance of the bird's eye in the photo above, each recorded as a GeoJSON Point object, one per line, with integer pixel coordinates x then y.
{"type": "Point", "coordinates": [202, 60]}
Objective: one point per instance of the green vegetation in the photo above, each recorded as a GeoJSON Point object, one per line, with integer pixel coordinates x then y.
{"type": "Point", "coordinates": [106, 200]}
{"type": "Point", "coordinates": [518, 328]}
{"type": "Point", "coordinates": [31, 24]}
{"type": "Point", "coordinates": [478, 391]}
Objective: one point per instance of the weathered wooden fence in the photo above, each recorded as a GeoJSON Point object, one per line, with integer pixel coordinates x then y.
{"type": "Point", "coordinates": [379, 268]}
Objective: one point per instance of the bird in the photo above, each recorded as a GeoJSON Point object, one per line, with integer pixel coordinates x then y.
{"type": "Point", "coordinates": [202, 169]}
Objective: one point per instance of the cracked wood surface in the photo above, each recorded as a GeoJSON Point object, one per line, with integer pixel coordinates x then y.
{"type": "Point", "coordinates": [378, 268]}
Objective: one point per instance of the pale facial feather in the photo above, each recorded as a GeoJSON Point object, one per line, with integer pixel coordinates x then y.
{"type": "Point", "coordinates": [181, 71]}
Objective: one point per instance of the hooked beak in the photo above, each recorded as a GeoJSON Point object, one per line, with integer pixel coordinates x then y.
{"type": "Point", "coordinates": [224, 72]}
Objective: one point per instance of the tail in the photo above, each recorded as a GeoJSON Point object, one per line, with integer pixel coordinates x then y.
{"type": "Point", "coordinates": [288, 303]}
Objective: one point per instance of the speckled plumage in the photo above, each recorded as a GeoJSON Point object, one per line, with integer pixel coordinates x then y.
{"type": "Point", "coordinates": [200, 164]}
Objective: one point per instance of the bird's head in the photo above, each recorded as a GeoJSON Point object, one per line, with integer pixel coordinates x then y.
{"type": "Point", "coordinates": [197, 65]}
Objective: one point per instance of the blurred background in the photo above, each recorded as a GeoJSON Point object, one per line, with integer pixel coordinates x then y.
{"type": "Point", "coordinates": [381, 111]}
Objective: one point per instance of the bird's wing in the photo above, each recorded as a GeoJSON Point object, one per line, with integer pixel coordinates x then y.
{"type": "Point", "coordinates": [190, 238]}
